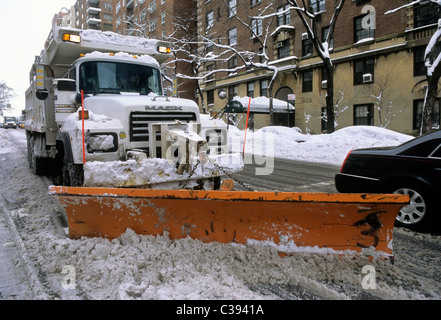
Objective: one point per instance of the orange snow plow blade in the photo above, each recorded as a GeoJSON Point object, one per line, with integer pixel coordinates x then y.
{"type": "Point", "coordinates": [283, 219]}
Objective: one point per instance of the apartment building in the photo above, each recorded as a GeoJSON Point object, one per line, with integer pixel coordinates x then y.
{"type": "Point", "coordinates": [379, 76]}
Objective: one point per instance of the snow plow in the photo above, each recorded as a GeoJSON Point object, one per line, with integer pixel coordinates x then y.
{"type": "Point", "coordinates": [356, 223]}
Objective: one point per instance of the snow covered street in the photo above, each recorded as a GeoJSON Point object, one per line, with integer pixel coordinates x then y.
{"type": "Point", "coordinates": [150, 268]}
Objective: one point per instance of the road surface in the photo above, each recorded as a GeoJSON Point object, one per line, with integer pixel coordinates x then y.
{"type": "Point", "coordinates": [291, 176]}
{"type": "Point", "coordinates": [34, 252]}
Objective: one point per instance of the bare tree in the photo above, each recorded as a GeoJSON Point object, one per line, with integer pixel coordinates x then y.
{"type": "Point", "coordinates": [310, 18]}
{"type": "Point", "coordinates": [380, 93]}
{"type": "Point", "coordinates": [432, 59]}
{"type": "Point", "coordinates": [6, 94]}
{"type": "Point", "coordinates": [216, 52]}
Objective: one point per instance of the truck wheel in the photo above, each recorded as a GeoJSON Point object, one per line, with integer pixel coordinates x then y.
{"type": "Point", "coordinates": [73, 175]}
{"type": "Point", "coordinates": [38, 166]}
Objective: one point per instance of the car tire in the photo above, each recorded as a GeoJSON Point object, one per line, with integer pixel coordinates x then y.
{"type": "Point", "coordinates": [417, 214]}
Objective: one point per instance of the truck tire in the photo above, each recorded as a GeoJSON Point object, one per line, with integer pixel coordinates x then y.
{"type": "Point", "coordinates": [73, 175]}
{"type": "Point", "coordinates": [38, 166]}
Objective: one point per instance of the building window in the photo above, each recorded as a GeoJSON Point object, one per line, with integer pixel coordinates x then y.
{"type": "Point", "coordinates": [209, 69]}
{"type": "Point", "coordinates": [419, 66]}
{"type": "Point", "coordinates": [209, 19]}
{"type": "Point", "coordinates": [107, 27]}
{"type": "Point", "coordinates": [232, 37]}
{"type": "Point", "coordinates": [306, 46]}
{"type": "Point", "coordinates": [256, 27]}
{"type": "Point", "coordinates": [250, 89]}
{"type": "Point", "coordinates": [283, 18]}
{"type": "Point", "coordinates": [210, 97]}
{"type": "Point", "coordinates": [364, 115]}
{"type": "Point", "coordinates": [232, 63]}
{"type": "Point", "coordinates": [364, 71]}
{"type": "Point", "coordinates": [317, 5]}
{"type": "Point", "coordinates": [418, 114]}
{"type": "Point", "coordinates": [264, 88]}
{"type": "Point", "coordinates": [307, 81]}
{"type": "Point", "coordinates": [232, 91]}
{"type": "Point", "coordinates": [143, 15]}
{"type": "Point", "coordinates": [108, 6]}
{"type": "Point", "coordinates": [283, 49]}
{"type": "Point", "coordinates": [152, 25]}
{"type": "Point", "coordinates": [232, 7]}
{"type": "Point", "coordinates": [361, 33]}
{"type": "Point", "coordinates": [152, 6]}
{"type": "Point", "coordinates": [107, 17]}
{"type": "Point", "coordinates": [425, 14]}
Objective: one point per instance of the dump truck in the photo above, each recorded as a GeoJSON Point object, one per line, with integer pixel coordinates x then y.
{"type": "Point", "coordinates": [96, 99]}
{"type": "Point", "coordinates": [124, 155]}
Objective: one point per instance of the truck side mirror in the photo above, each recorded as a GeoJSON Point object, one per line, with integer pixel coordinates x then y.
{"type": "Point", "coordinates": [42, 94]}
{"type": "Point", "coordinates": [78, 98]}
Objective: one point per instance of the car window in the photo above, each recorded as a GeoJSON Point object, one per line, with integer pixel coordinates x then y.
{"type": "Point", "coordinates": [423, 149]}
{"type": "Point", "coordinates": [436, 153]}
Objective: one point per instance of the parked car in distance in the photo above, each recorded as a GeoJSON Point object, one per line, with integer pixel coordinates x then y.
{"type": "Point", "coordinates": [413, 168]}
{"type": "Point", "coordinates": [10, 122]}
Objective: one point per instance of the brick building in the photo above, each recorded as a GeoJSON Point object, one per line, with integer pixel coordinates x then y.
{"type": "Point", "coordinates": [379, 76]}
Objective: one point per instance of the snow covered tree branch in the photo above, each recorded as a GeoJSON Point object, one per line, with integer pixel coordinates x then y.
{"type": "Point", "coordinates": [6, 94]}
{"type": "Point", "coordinates": [310, 18]}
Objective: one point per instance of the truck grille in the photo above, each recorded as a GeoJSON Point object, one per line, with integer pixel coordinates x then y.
{"type": "Point", "coordinates": [139, 122]}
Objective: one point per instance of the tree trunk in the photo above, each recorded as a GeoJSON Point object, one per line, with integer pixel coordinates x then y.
{"type": "Point", "coordinates": [429, 103]}
{"type": "Point", "coordinates": [271, 106]}
{"type": "Point", "coordinates": [330, 112]}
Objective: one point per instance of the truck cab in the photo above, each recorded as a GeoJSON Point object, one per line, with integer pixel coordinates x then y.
{"type": "Point", "coordinates": [99, 96]}
{"type": "Point", "coordinates": [10, 123]}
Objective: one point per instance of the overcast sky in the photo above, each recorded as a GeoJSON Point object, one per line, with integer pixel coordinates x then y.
{"type": "Point", "coordinates": [25, 25]}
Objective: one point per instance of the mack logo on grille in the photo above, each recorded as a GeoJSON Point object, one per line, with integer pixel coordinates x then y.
{"type": "Point", "coordinates": [166, 108]}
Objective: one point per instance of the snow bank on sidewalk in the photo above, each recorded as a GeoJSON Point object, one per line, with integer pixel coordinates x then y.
{"type": "Point", "coordinates": [290, 143]}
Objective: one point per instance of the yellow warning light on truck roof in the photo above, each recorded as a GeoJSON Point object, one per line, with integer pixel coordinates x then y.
{"type": "Point", "coordinates": [164, 49]}
{"type": "Point", "coordinates": [71, 38]}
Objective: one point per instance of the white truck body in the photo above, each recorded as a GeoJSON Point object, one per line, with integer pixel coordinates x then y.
{"type": "Point", "coordinates": [116, 82]}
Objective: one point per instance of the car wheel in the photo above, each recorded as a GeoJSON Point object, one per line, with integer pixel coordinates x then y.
{"type": "Point", "coordinates": [415, 214]}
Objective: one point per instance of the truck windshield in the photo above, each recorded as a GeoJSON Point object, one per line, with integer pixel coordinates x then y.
{"type": "Point", "coordinates": [114, 77]}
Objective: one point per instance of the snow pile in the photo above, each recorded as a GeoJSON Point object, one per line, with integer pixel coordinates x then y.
{"type": "Point", "coordinates": [108, 37]}
{"type": "Point", "coordinates": [290, 143]}
{"type": "Point", "coordinates": [124, 55]}
{"type": "Point", "coordinates": [159, 173]}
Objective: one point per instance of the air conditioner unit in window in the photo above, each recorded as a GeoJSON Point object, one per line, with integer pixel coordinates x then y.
{"type": "Point", "coordinates": [367, 78]}
{"type": "Point", "coordinates": [305, 36]}
{"type": "Point", "coordinates": [324, 84]}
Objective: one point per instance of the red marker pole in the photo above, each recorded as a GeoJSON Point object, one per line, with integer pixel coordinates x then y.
{"type": "Point", "coordinates": [246, 125]}
{"type": "Point", "coordinates": [82, 116]}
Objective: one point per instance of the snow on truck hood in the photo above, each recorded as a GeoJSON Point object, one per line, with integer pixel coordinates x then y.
{"type": "Point", "coordinates": [114, 105]}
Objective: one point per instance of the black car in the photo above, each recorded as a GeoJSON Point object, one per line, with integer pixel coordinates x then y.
{"type": "Point", "coordinates": [413, 168]}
